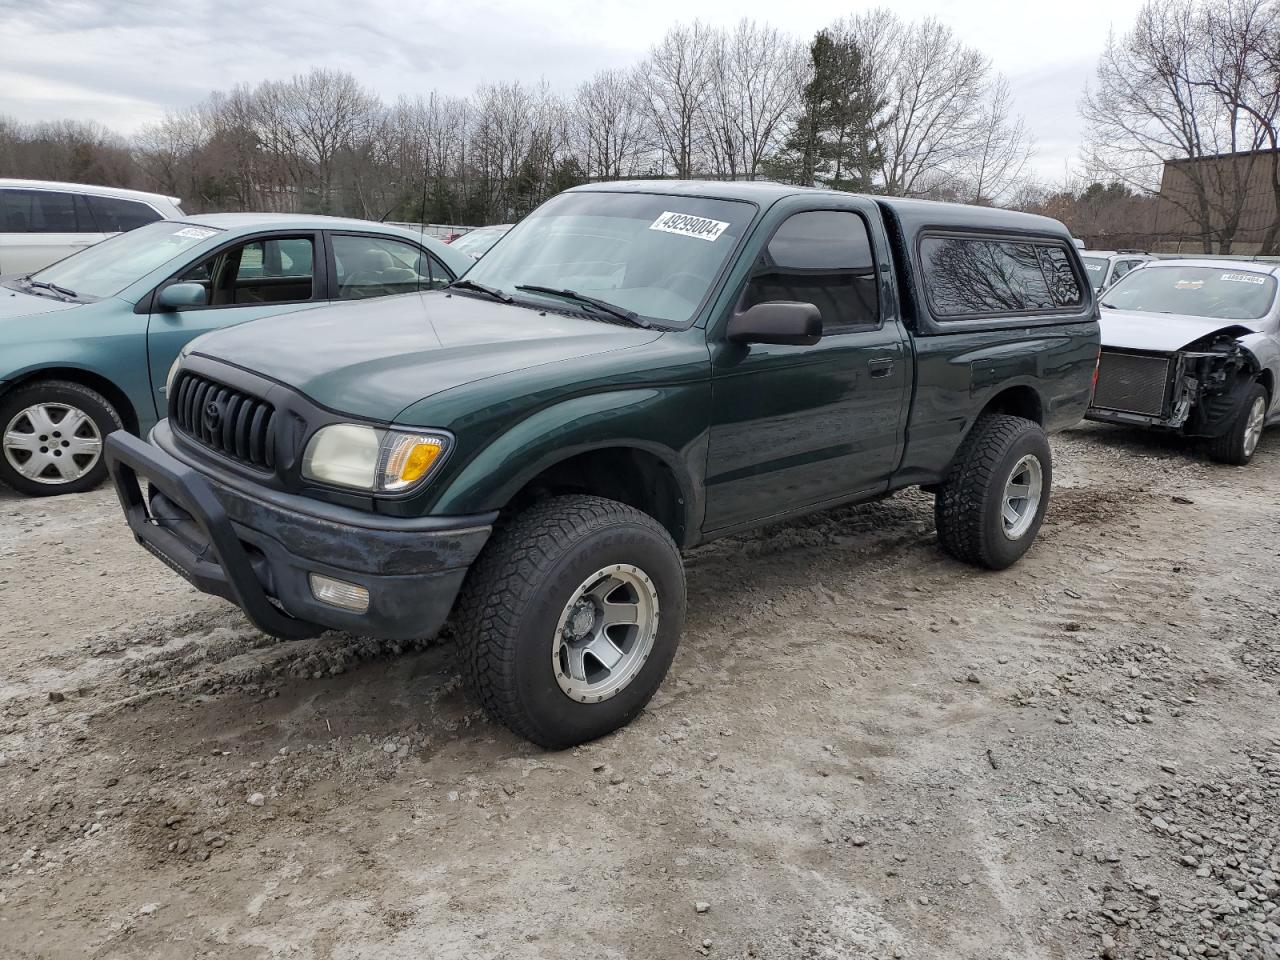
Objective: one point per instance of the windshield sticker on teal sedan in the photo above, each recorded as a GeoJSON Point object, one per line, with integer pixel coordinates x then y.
{"type": "Point", "coordinates": [1244, 278]}
{"type": "Point", "coordinates": [687, 225]}
{"type": "Point", "coordinates": [195, 233]}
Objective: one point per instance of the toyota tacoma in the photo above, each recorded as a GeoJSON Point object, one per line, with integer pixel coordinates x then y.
{"type": "Point", "coordinates": [635, 369]}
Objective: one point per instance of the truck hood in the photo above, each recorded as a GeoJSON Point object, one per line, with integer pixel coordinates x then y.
{"type": "Point", "coordinates": [15, 304]}
{"type": "Point", "coordinates": [1163, 332]}
{"type": "Point", "coordinates": [374, 358]}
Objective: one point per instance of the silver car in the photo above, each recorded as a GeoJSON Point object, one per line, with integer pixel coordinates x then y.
{"type": "Point", "coordinates": [1105, 267]}
{"type": "Point", "coordinates": [1193, 346]}
{"type": "Point", "coordinates": [41, 221]}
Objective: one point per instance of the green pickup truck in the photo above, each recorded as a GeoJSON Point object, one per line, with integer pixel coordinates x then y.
{"type": "Point", "coordinates": [634, 369]}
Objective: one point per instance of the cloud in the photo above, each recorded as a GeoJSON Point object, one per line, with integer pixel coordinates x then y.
{"type": "Point", "coordinates": [124, 62]}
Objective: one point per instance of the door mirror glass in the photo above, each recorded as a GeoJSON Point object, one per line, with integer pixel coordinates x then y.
{"type": "Point", "coordinates": [784, 322]}
{"type": "Point", "coordinates": [179, 296]}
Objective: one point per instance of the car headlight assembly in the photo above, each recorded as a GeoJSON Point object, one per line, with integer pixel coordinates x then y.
{"type": "Point", "coordinates": [361, 457]}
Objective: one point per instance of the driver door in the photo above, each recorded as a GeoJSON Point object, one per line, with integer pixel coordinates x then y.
{"type": "Point", "coordinates": [794, 426]}
{"type": "Point", "coordinates": [263, 276]}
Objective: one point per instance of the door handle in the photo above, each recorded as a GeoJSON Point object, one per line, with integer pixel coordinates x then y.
{"type": "Point", "coordinates": [881, 367]}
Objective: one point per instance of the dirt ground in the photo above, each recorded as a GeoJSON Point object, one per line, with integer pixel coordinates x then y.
{"type": "Point", "coordinates": [862, 750]}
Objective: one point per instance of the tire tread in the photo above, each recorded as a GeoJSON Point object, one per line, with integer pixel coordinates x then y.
{"type": "Point", "coordinates": [505, 581]}
{"type": "Point", "coordinates": [960, 505]}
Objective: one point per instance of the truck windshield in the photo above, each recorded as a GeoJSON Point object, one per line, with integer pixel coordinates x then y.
{"type": "Point", "coordinates": [1221, 293]}
{"type": "Point", "coordinates": [655, 254]}
{"type": "Point", "coordinates": [1096, 268]}
{"type": "Point", "coordinates": [105, 269]}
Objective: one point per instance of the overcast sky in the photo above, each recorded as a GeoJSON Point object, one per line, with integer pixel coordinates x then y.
{"type": "Point", "coordinates": [124, 62]}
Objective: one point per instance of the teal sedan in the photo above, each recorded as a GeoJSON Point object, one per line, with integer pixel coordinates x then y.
{"type": "Point", "coordinates": [86, 343]}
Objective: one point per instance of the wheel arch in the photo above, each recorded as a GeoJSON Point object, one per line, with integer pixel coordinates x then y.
{"type": "Point", "coordinates": [1018, 400]}
{"type": "Point", "coordinates": [85, 378]}
{"type": "Point", "coordinates": [632, 473]}
{"type": "Point", "coordinates": [1268, 380]}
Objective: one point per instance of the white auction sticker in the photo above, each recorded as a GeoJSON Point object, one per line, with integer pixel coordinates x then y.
{"type": "Point", "coordinates": [1095, 267]}
{"type": "Point", "coordinates": [195, 233]}
{"type": "Point", "coordinates": [687, 225]}
{"type": "Point", "coordinates": [1244, 278]}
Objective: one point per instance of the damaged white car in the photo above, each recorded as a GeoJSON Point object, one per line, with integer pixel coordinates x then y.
{"type": "Point", "coordinates": [1193, 346]}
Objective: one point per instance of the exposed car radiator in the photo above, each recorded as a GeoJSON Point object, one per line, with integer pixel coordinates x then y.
{"type": "Point", "coordinates": [1132, 382]}
{"type": "Point", "coordinates": [228, 421]}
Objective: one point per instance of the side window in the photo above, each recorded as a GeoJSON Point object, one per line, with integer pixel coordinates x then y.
{"type": "Point", "coordinates": [43, 211]}
{"type": "Point", "coordinates": [1123, 267]}
{"type": "Point", "coordinates": [261, 271]}
{"type": "Point", "coordinates": [378, 267]}
{"type": "Point", "coordinates": [117, 216]}
{"type": "Point", "coordinates": [1064, 285]}
{"type": "Point", "coordinates": [821, 257]}
{"type": "Point", "coordinates": [973, 277]}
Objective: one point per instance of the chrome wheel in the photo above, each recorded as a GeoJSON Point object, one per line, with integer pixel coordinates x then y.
{"type": "Point", "coordinates": [1021, 499]}
{"type": "Point", "coordinates": [52, 443]}
{"type": "Point", "coordinates": [605, 633]}
{"type": "Point", "coordinates": [1253, 427]}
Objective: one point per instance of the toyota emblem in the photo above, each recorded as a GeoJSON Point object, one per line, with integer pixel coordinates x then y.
{"type": "Point", "coordinates": [212, 415]}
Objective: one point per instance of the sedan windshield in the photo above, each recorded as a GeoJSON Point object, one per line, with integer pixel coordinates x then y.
{"type": "Point", "coordinates": [1221, 293]}
{"type": "Point", "coordinates": [478, 241]}
{"type": "Point", "coordinates": [105, 269]}
{"type": "Point", "coordinates": [654, 255]}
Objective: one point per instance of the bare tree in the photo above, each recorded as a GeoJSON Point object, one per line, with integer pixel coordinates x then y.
{"type": "Point", "coordinates": [1189, 82]}
{"type": "Point", "coordinates": [676, 79]}
{"type": "Point", "coordinates": [995, 166]}
{"type": "Point", "coordinates": [936, 90]}
{"type": "Point", "coordinates": [609, 125]}
{"type": "Point", "coordinates": [755, 72]}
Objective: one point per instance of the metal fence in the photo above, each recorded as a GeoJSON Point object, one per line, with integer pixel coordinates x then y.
{"type": "Point", "coordinates": [441, 231]}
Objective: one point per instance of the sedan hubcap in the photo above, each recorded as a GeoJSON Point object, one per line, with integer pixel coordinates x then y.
{"type": "Point", "coordinates": [52, 443]}
{"type": "Point", "coordinates": [1021, 498]}
{"type": "Point", "coordinates": [605, 633]}
{"type": "Point", "coordinates": [1253, 428]}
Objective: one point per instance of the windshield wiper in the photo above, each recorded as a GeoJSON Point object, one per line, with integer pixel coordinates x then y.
{"type": "Point", "coordinates": [604, 306]}
{"type": "Point", "coordinates": [45, 285]}
{"type": "Point", "coordinates": [472, 285]}
{"type": "Point", "coordinates": [1109, 306]}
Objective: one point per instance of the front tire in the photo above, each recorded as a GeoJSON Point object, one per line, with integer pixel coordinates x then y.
{"type": "Point", "coordinates": [570, 619]}
{"type": "Point", "coordinates": [1238, 445]}
{"type": "Point", "coordinates": [51, 435]}
{"type": "Point", "coordinates": [990, 507]}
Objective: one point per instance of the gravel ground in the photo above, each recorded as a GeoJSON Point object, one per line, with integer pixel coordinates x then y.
{"type": "Point", "coordinates": [863, 750]}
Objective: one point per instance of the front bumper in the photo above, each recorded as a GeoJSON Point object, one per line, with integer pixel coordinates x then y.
{"type": "Point", "coordinates": [1131, 419]}
{"type": "Point", "coordinates": [257, 549]}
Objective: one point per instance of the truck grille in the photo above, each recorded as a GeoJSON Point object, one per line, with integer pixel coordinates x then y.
{"type": "Point", "coordinates": [234, 424]}
{"type": "Point", "coordinates": [1132, 382]}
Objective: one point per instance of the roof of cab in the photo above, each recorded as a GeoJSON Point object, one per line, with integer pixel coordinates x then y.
{"type": "Point", "coordinates": [86, 188]}
{"type": "Point", "coordinates": [912, 214]}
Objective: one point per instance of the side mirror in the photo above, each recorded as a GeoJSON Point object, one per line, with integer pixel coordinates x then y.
{"type": "Point", "coordinates": [779, 321]}
{"type": "Point", "coordinates": [178, 296]}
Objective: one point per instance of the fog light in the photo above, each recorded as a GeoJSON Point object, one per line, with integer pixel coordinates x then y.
{"type": "Point", "coordinates": [339, 593]}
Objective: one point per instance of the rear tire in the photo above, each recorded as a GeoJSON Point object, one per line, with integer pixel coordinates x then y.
{"type": "Point", "coordinates": [990, 507]}
{"type": "Point", "coordinates": [543, 591]}
{"type": "Point", "coordinates": [51, 435]}
{"type": "Point", "coordinates": [1238, 445]}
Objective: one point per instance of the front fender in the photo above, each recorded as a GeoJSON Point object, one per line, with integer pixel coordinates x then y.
{"type": "Point", "coordinates": [669, 422]}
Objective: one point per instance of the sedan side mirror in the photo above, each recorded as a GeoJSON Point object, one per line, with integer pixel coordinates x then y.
{"type": "Point", "coordinates": [779, 321]}
{"type": "Point", "coordinates": [179, 296]}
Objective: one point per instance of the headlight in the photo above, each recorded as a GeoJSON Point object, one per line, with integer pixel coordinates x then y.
{"type": "Point", "coordinates": [368, 458]}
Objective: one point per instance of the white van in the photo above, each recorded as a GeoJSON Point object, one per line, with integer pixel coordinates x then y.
{"type": "Point", "coordinates": [42, 221]}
